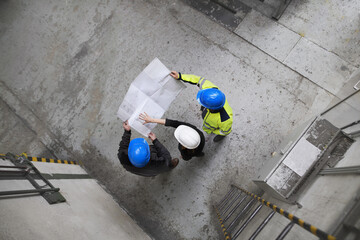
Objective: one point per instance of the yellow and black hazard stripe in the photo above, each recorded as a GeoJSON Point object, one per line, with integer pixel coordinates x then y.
{"type": "Point", "coordinates": [51, 160]}
{"type": "Point", "coordinates": [48, 160]}
{"type": "Point", "coordinates": [226, 234]}
{"type": "Point", "coordinates": [317, 232]}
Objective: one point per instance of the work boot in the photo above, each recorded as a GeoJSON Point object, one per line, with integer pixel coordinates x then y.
{"type": "Point", "coordinates": [218, 138]}
{"type": "Point", "coordinates": [174, 162]}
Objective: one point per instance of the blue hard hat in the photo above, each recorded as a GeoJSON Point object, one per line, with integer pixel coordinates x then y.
{"type": "Point", "coordinates": [139, 152]}
{"type": "Point", "coordinates": [211, 98]}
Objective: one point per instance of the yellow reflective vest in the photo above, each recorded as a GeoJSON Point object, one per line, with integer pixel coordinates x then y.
{"type": "Point", "coordinates": [218, 122]}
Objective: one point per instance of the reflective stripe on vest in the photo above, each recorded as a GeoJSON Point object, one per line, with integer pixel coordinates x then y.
{"type": "Point", "coordinates": [226, 132]}
{"type": "Point", "coordinates": [207, 125]}
{"type": "Point", "coordinates": [201, 82]}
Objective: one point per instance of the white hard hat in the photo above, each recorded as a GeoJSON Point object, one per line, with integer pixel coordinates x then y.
{"type": "Point", "coordinates": [187, 136]}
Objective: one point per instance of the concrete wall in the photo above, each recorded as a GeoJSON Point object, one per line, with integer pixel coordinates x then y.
{"type": "Point", "coordinates": [88, 213]}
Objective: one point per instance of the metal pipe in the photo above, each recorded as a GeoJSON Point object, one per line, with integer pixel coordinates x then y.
{"type": "Point", "coordinates": [253, 214]}
{"type": "Point", "coordinates": [29, 191]}
{"type": "Point", "coordinates": [226, 234]}
{"type": "Point", "coordinates": [31, 167]}
{"type": "Point", "coordinates": [20, 161]}
{"type": "Point", "coordinates": [227, 194]}
{"type": "Point", "coordinates": [231, 203]}
{"type": "Point", "coordinates": [32, 181]}
{"type": "Point", "coordinates": [4, 166]}
{"type": "Point", "coordinates": [342, 170]}
{"type": "Point", "coordinates": [340, 102]}
{"type": "Point", "coordinates": [350, 124]}
{"type": "Point", "coordinates": [15, 171]}
{"type": "Point", "coordinates": [310, 228]}
{"type": "Point", "coordinates": [354, 134]}
{"type": "Point", "coordinates": [40, 175]}
{"type": "Point", "coordinates": [48, 176]}
{"type": "Point", "coordinates": [262, 225]}
{"type": "Point", "coordinates": [284, 232]}
{"type": "Point", "coordinates": [240, 214]}
{"type": "Point", "coordinates": [227, 201]}
{"type": "Point", "coordinates": [234, 209]}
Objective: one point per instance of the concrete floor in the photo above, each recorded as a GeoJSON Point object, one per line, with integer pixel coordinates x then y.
{"type": "Point", "coordinates": [65, 67]}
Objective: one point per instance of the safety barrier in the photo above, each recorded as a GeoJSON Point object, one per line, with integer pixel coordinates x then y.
{"type": "Point", "coordinates": [233, 196]}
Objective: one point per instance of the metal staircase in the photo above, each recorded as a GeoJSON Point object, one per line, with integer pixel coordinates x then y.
{"type": "Point", "coordinates": [239, 208]}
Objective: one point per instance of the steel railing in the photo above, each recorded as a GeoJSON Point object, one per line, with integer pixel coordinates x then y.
{"type": "Point", "coordinates": [235, 194]}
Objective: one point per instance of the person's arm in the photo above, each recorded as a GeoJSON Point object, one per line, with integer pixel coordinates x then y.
{"type": "Point", "coordinates": [201, 82]}
{"type": "Point", "coordinates": [167, 122]}
{"type": "Point", "coordinates": [175, 123]}
{"type": "Point", "coordinates": [189, 78]}
{"type": "Point", "coordinates": [162, 152]}
{"type": "Point", "coordinates": [147, 119]}
{"type": "Point", "coordinates": [125, 140]}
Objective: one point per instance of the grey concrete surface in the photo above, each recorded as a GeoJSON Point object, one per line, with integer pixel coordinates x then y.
{"type": "Point", "coordinates": [65, 67]}
{"type": "Point", "coordinates": [270, 36]}
{"type": "Point", "coordinates": [333, 25]}
{"type": "Point", "coordinates": [322, 67]}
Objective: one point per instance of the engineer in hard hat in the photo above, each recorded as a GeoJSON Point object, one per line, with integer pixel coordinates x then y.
{"type": "Point", "coordinates": [217, 113]}
{"type": "Point", "coordinates": [139, 158]}
{"type": "Point", "coordinates": [191, 139]}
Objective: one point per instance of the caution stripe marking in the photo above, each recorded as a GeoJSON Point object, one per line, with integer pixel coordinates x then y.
{"type": "Point", "coordinates": [51, 160]}
{"type": "Point", "coordinates": [300, 222]}
{"type": "Point", "coordinates": [47, 160]}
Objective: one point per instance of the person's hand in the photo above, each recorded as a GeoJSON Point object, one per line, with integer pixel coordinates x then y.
{"type": "Point", "coordinates": [146, 118]}
{"type": "Point", "coordinates": [152, 136]}
{"type": "Point", "coordinates": [126, 125]}
{"type": "Point", "coordinates": [174, 74]}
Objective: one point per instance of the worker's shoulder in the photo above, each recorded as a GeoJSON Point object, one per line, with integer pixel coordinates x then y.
{"type": "Point", "coordinates": [224, 116]}
{"type": "Point", "coordinates": [227, 107]}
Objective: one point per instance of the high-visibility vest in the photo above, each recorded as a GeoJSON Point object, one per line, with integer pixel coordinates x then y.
{"type": "Point", "coordinates": [219, 122]}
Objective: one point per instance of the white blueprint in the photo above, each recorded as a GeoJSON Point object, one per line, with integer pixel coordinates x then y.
{"type": "Point", "coordinates": [152, 91]}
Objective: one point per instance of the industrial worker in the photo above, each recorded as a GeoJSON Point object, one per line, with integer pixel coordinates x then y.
{"type": "Point", "coordinates": [139, 158]}
{"type": "Point", "coordinates": [191, 139]}
{"type": "Point", "coordinates": [217, 113]}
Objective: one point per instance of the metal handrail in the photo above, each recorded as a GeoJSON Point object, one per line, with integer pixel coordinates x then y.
{"type": "Point", "coordinates": [51, 194]}
{"type": "Point", "coordinates": [310, 228]}
{"type": "Point", "coordinates": [226, 234]}
{"type": "Point", "coordinates": [338, 103]}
